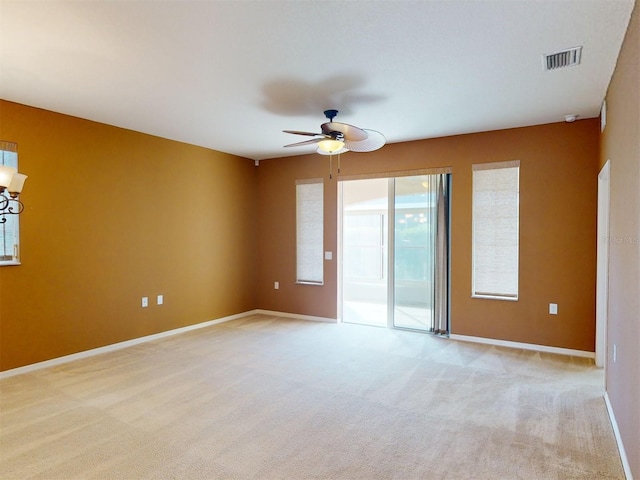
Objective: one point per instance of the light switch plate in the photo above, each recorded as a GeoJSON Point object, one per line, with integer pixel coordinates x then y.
{"type": "Point", "coordinates": [553, 308]}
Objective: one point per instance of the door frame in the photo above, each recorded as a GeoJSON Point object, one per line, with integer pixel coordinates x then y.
{"type": "Point", "coordinates": [602, 264]}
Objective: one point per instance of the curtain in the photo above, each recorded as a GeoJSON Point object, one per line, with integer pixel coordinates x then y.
{"type": "Point", "coordinates": [441, 297]}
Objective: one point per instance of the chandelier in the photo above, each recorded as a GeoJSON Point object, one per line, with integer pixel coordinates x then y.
{"type": "Point", "coordinates": [11, 183]}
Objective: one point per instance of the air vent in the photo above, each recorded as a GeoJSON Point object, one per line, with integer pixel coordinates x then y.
{"type": "Point", "coordinates": [565, 58]}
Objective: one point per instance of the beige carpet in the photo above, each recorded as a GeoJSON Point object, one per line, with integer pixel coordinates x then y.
{"type": "Point", "coordinates": [274, 398]}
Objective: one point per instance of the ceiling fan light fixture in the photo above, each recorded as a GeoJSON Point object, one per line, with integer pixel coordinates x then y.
{"type": "Point", "coordinates": [322, 152]}
{"type": "Point", "coordinates": [330, 145]}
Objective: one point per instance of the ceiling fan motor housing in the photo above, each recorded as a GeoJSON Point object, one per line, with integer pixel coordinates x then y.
{"type": "Point", "coordinates": [330, 114]}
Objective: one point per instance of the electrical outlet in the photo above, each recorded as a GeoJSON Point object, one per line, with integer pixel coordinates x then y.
{"type": "Point", "coordinates": [160, 300]}
{"type": "Point", "coordinates": [553, 308]}
{"type": "Point", "coordinates": [276, 285]}
{"type": "Point", "coordinates": [145, 302]}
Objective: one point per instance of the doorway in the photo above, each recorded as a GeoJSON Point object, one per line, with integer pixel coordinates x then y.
{"type": "Point", "coordinates": [394, 246]}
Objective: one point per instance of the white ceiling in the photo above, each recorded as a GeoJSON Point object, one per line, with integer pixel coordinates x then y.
{"type": "Point", "coordinates": [231, 75]}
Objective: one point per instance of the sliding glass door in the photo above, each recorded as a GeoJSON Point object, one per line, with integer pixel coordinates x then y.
{"type": "Point", "coordinates": [394, 252]}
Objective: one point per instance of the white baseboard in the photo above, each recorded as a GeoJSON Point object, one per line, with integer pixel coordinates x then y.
{"type": "Point", "coordinates": [136, 341]}
{"type": "Point", "coordinates": [524, 346]}
{"type": "Point", "coordinates": [118, 346]}
{"type": "Point", "coordinates": [295, 315]}
{"type": "Point", "coordinates": [616, 432]}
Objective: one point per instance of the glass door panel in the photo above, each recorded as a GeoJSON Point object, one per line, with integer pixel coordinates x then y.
{"type": "Point", "coordinates": [415, 218]}
{"type": "Point", "coordinates": [365, 251]}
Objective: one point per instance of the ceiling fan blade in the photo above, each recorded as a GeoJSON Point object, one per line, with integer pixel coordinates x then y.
{"type": "Point", "coordinates": [298, 132]}
{"type": "Point", "coordinates": [374, 141]}
{"type": "Point", "coordinates": [306, 142]}
{"type": "Point", "coordinates": [350, 132]}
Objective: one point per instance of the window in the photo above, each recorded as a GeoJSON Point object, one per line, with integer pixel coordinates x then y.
{"type": "Point", "coordinates": [310, 231]}
{"type": "Point", "coordinates": [495, 230]}
{"type": "Point", "coordinates": [9, 229]}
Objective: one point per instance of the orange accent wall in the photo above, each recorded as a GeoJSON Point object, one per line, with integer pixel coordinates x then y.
{"type": "Point", "coordinates": [558, 206]}
{"type": "Point", "coordinates": [277, 233]}
{"type": "Point", "coordinates": [111, 216]}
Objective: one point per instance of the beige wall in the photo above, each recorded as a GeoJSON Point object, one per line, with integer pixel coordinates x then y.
{"type": "Point", "coordinates": [113, 215]}
{"type": "Point", "coordinates": [621, 145]}
{"type": "Point", "coordinates": [558, 195]}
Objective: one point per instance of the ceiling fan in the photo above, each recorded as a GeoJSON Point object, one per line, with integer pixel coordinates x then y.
{"type": "Point", "coordinates": [337, 137]}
